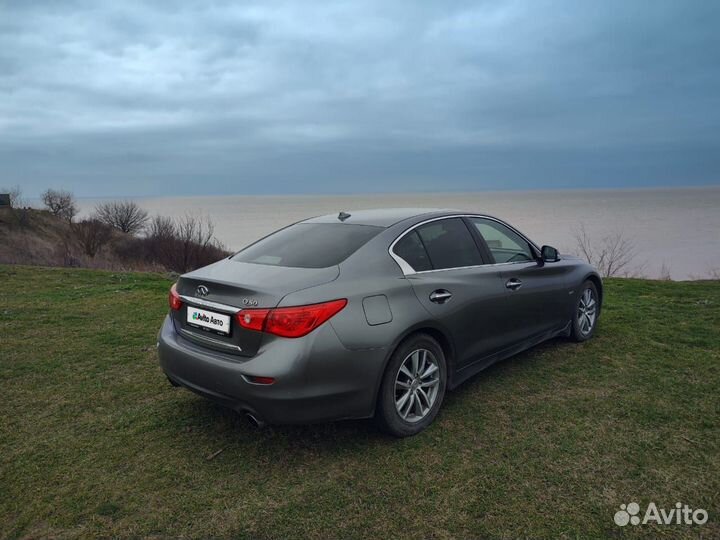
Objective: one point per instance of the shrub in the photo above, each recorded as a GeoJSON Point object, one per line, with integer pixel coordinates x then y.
{"type": "Point", "coordinates": [612, 254]}
{"type": "Point", "coordinates": [179, 245]}
{"type": "Point", "coordinates": [60, 203]}
{"type": "Point", "coordinates": [91, 235]}
{"type": "Point", "coordinates": [125, 216]}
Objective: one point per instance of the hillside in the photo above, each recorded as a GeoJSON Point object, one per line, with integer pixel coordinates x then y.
{"type": "Point", "coordinates": [32, 237]}
{"type": "Point", "coordinates": [36, 237]}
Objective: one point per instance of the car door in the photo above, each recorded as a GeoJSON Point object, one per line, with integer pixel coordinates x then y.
{"type": "Point", "coordinates": [450, 279]}
{"type": "Point", "coordinates": [536, 291]}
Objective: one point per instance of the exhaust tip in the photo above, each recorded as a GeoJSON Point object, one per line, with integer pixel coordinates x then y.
{"type": "Point", "coordinates": [254, 420]}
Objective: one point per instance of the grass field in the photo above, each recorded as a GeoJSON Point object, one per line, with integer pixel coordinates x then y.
{"type": "Point", "coordinates": [94, 441]}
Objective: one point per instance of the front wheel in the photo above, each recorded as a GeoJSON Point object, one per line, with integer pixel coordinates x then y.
{"type": "Point", "coordinates": [587, 309]}
{"type": "Point", "coordinates": [413, 387]}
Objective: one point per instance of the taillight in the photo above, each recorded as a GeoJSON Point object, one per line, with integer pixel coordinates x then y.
{"type": "Point", "coordinates": [174, 298]}
{"type": "Point", "coordinates": [291, 322]}
{"type": "Point", "coordinates": [299, 321]}
{"type": "Point", "coordinates": [252, 319]}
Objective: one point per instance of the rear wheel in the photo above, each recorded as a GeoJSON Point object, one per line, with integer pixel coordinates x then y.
{"type": "Point", "coordinates": [413, 387]}
{"type": "Point", "coordinates": [587, 310]}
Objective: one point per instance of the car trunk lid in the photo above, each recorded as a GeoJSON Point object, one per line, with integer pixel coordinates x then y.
{"type": "Point", "coordinates": [228, 286]}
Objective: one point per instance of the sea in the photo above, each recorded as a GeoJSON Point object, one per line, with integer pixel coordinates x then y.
{"type": "Point", "coordinates": [674, 232]}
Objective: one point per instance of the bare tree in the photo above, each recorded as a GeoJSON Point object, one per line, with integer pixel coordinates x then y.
{"type": "Point", "coordinates": [64, 249]}
{"type": "Point", "coordinates": [195, 237]}
{"type": "Point", "coordinates": [126, 216]}
{"type": "Point", "coordinates": [91, 235]}
{"type": "Point", "coordinates": [612, 255]}
{"type": "Point", "coordinates": [161, 228]}
{"type": "Point", "coordinates": [665, 274]}
{"type": "Point", "coordinates": [60, 203]}
{"type": "Point", "coordinates": [162, 239]}
{"type": "Point", "coordinates": [178, 244]}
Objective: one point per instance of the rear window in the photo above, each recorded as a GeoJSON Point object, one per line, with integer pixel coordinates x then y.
{"type": "Point", "coordinates": [411, 250]}
{"type": "Point", "coordinates": [309, 245]}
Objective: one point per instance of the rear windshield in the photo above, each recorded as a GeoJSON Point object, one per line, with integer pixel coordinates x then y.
{"type": "Point", "coordinates": [309, 245]}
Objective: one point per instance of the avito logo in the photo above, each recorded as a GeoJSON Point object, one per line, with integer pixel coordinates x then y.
{"type": "Point", "coordinates": [680, 515]}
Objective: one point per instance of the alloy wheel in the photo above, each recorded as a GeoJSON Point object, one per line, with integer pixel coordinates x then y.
{"type": "Point", "coordinates": [416, 385]}
{"type": "Point", "coordinates": [587, 311]}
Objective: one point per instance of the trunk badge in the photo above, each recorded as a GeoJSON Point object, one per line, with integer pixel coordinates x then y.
{"type": "Point", "coordinates": [202, 290]}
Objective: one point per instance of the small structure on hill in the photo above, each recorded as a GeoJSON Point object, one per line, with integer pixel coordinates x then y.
{"type": "Point", "coordinates": [5, 200]}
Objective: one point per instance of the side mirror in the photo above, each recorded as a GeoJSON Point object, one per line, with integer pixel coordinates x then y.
{"type": "Point", "coordinates": [549, 254]}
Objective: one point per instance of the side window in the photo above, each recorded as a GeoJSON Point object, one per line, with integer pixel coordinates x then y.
{"type": "Point", "coordinates": [411, 250]}
{"type": "Point", "coordinates": [505, 244]}
{"type": "Point", "coordinates": [449, 244]}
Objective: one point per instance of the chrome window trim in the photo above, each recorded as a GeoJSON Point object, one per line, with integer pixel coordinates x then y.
{"type": "Point", "coordinates": [232, 310]}
{"type": "Point", "coordinates": [408, 270]}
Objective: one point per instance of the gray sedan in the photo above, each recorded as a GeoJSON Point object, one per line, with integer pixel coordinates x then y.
{"type": "Point", "coordinates": [373, 313]}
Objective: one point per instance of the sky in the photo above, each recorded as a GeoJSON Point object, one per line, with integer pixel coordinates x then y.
{"type": "Point", "coordinates": [211, 97]}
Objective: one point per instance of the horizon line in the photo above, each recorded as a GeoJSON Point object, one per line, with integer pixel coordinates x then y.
{"type": "Point", "coordinates": [660, 187]}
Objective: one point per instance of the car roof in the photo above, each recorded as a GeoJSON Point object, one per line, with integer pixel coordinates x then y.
{"type": "Point", "coordinates": [381, 217]}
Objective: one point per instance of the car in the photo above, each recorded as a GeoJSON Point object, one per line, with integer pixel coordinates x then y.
{"type": "Point", "coordinates": [369, 314]}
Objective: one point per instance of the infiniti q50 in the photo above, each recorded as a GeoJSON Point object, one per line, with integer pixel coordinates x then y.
{"type": "Point", "coordinates": [373, 313]}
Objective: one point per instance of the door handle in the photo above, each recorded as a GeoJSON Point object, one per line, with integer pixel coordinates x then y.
{"type": "Point", "coordinates": [440, 296]}
{"type": "Point", "coordinates": [513, 284]}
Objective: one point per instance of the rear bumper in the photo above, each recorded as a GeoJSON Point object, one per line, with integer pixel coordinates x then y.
{"type": "Point", "coordinates": [316, 378]}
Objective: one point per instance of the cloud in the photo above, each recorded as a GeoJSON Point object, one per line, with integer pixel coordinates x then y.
{"type": "Point", "coordinates": [145, 98]}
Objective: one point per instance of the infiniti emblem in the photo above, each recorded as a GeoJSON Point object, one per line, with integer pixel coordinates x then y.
{"type": "Point", "coordinates": [202, 290]}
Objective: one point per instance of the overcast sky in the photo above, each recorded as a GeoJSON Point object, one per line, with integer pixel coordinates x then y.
{"type": "Point", "coordinates": [209, 97]}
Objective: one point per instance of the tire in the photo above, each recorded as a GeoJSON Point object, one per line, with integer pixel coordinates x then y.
{"type": "Point", "coordinates": [581, 330]}
{"type": "Point", "coordinates": [414, 414]}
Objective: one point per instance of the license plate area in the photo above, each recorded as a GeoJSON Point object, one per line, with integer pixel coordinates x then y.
{"type": "Point", "coordinates": [208, 321]}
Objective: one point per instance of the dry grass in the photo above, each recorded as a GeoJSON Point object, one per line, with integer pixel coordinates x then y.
{"type": "Point", "coordinates": [36, 237]}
